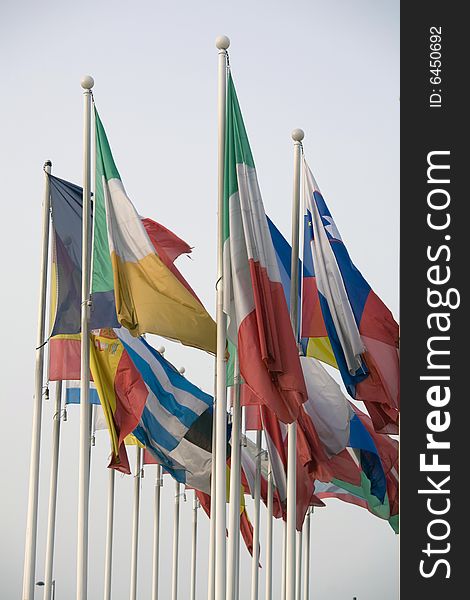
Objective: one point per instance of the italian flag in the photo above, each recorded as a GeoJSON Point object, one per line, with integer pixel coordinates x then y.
{"type": "Point", "coordinates": [259, 323]}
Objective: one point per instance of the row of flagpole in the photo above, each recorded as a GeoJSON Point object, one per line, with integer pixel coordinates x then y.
{"type": "Point", "coordinates": [223, 574]}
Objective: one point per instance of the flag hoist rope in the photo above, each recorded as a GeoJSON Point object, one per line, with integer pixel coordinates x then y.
{"type": "Point", "coordinates": [297, 136]}
{"type": "Point", "coordinates": [32, 516]}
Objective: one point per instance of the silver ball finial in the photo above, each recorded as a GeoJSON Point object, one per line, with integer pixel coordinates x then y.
{"type": "Point", "coordinates": [87, 82]}
{"type": "Point", "coordinates": [298, 135]}
{"type": "Point", "coordinates": [182, 370]}
{"type": "Point", "coordinates": [222, 42]}
{"type": "Point", "coordinates": [161, 350]}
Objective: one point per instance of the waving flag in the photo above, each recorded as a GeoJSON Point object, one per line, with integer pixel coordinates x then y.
{"type": "Point", "coordinates": [361, 330]}
{"type": "Point", "coordinates": [176, 421]}
{"type": "Point", "coordinates": [259, 323]}
{"type": "Point", "coordinates": [148, 296]}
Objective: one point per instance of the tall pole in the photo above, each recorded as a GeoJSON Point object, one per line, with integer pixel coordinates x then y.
{"type": "Point", "coordinates": [306, 594]}
{"type": "Point", "coordinates": [235, 480]}
{"type": "Point", "coordinates": [257, 495]}
{"type": "Point", "coordinates": [297, 136]}
{"type": "Point", "coordinates": [211, 565]}
{"type": "Point", "coordinates": [194, 548]}
{"type": "Point", "coordinates": [135, 523]}
{"type": "Point", "coordinates": [32, 516]}
{"type": "Point", "coordinates": [85, 408]}
{"type": "Point", "coordinates": [176, 534]}
{"type": "Point", "coordinates": [283, 561]}
{"type": "Point", "coordinates": [109, 536]}
{"type": "Point", "coordinates": [222, 44]}
{"type": "Point", "coordinates": [51, 520]}
{"type": "Point", "coordinates": [298, 567]}
{"type": "Point", "coordinates": [156, 533]}
{"type": "Point", "coordinates": [269, 536]}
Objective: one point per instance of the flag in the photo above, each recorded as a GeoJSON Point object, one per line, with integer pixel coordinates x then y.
{"type": "Point", "coordinates": [361, 330]}
{"type": "Point", "coordinates": [176, 421]}
{"type": "Point", "coordinates": [72, 393]}
{"type": "Point", "coordinates": [148, 296]}
{"type": "Point", "coordinates": [259, 323]}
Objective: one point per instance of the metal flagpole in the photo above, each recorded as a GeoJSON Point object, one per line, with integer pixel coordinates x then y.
{"type": "Point", "coordinates": [283, 561]}
{"type": "Point", "coordinates": [156, 533]}
{"type": "Point", "coordinates": [307, 555]}
{"type": "Point", "coordinates": [298, 567]}
{"type": "Point", "coordinates": [297, 136]}
{"type": "Point", "coordinates": [255, 557]}
{"type": "Point", "coordinates": [194, 548]}
{"type": "Point", "coordinates": [269, 535]}
{"type": "Point", "coordinates": [85, 408]}
{"type": "Point", "coordinates": [32, 517]}
{"type": "Point", "coordinates": [222, 44]}
{"type": "Point", "coordinates": [109, 536]}
{"type": "Point", "coordinates": [135, 523]}
{"type": "Point", "coordinates": [51, 520]}
{"type": "Point", "coordinates": [211, 565]}
{"type": "Point", "coordinates": [176, 532]}
{"type": "Point", "coordinates": [235, 479]}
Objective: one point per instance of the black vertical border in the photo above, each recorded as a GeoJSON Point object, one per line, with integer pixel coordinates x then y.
{"type": "Point", "coordinates": [423, 130]}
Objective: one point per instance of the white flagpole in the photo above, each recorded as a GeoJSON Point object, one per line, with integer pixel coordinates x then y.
{"type": "Point", "coordinates": [235, 480]}
{"type": "Point", "coordinates": [298, 568]}
{"type": "Point", "coordinates": [255, 557]}
{"type": "Point", "coordinates": [51, 520]}
{"type": "Point", "coordinates": [156, 533]}
{"type": "Point", "coordinates": [109, 537]}
{"type": "Point", "coordinates": [211, 565]}
{"type": "Point", "coordinates": [194, 548]}
{"type": "Point", "coordinates": [135, 523]}
{"type": "Point", "coordinates": [85, 408]}
{"type": "Point", "coordinates": [297, 136]}
{"type": "Point", "coordinates": [176, 533]}
{"type": "Point", "coordinates": [283, 561]}
{"type": "Point", "coordinates": [32, 516]}
{"type": "Point", "coordinates": [222, 44]}
{"type": "Point", "coordinates": [269, 535]}
{"type": "Point", "coordinates": [306, 594]}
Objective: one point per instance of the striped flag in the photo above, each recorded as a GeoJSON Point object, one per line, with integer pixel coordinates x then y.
{"type": "Point", "coordinates": [176, 421]}
{"type": "Point", "coordinates": [259, 323]}
{"type": "Point", "coordinates": [72, 393]}
{"type": "Point", "coordinates": [148, 296]}
{"type": "Point", "coordinates": [340, 304]}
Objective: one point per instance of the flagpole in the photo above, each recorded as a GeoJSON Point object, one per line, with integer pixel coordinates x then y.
{"type": "Point", "coordinates": [211, 566]}
{"type": "Point", "coordinates": [283, 561]}
{"type": "Point", "coordinates": [32, 516]}
{"type": "Point", "coordinates": [269, 535]}
{"type": "Point", "coordinates": [135, 523]}
{"type": "Point", "coordinates": [85, 409]}
{"type": "Point", "coordinates": [297, 136]}
{"type": "Point", "coordinates": [156, 533]}
{"type": "Point", "coordinates": [51, 520]}
{"type": "Point", "coordinates": [298, 567]}
{"type": "Point", "coordinates": [109, 536]}
{"type": "Point", "coordinates": [235, 477]}
{"type": "Point", "coordinates": [222, 44]}
{"type": "Point", "coordinates": [307, 556]}
{"type": "Point", "coordinates": [194, 548]}
{"type": "Point", "coordinates": [176, 532]}
{"type": "Point", "coordinates": [257, 490]}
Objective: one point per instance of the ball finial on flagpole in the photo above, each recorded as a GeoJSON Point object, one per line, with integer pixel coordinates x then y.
{"type": "Point", "coordinates": [161, 350]}
{"type": "Point", "coordinates": [87, 82]}
{"type": "Point", "coordinates": [298, 135]}
{"type": "Point", "coordinates": [182, 370]}
{"type": "Point", "coordinates": [222, 42]}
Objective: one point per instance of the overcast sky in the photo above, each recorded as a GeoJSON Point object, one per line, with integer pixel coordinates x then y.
{"type": "Point", "coordinates": [331, 68]}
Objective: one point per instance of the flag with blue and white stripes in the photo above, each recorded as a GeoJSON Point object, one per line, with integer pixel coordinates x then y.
{"type": "Point", "coordinates": [176, 423]}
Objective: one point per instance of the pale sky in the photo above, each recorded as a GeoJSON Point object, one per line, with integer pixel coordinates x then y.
{"type": "Point", "coordinates": [331, 68]}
